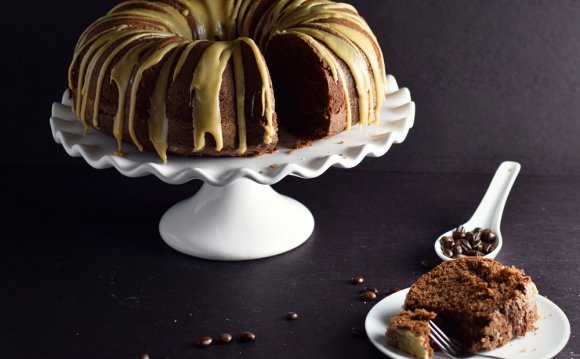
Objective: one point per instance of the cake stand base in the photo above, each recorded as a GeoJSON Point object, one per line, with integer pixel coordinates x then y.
{"type": "Point", "coordinates": [242, 221]}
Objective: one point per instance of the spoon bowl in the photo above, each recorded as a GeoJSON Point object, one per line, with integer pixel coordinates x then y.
{"type": "Point", "coordinates": [489, 212]}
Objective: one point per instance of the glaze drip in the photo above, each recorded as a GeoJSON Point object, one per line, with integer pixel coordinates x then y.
{"type": "Point", "coordinates": [138, 35]}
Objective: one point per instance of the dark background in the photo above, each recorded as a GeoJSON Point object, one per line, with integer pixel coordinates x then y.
{"type": "Point", "coordinates": [85, 274]}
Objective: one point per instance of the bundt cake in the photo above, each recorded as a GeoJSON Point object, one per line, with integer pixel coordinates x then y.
{"type": "Point", "coordinates": [192, 77]}
{"type": "Point", "coordinates": [479, 301]}
{"type": "Point", "coordinates": [409, 331]}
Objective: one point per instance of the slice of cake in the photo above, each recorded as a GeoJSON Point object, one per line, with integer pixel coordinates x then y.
{"type": "Point", "coordinates": [479, 301]}
{"type": "Point", "coordinates": [409, 332]}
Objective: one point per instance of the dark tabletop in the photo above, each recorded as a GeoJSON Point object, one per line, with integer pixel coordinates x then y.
{"type": "Point", "coordinates": [85, 273]}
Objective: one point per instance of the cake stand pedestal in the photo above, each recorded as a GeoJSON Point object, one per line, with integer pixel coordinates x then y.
{"type": "Point", "coordinates": [236, 215]}
{"type": "Point", "coordinates": [244, 220]}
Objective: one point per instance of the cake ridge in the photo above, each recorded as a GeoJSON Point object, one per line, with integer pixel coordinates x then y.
{"type": "Point", "coordinates": [161, 29]}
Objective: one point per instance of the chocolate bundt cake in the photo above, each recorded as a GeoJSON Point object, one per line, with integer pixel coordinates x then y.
{"type": "Point", "coordinates": [477, 300]}
{"type": "Point", "coordinates": [197, 77]}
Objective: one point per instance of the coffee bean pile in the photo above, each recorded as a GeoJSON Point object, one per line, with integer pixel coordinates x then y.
{"type": "Point", "coordinates": [476, 243]}
{"type": "Point", "coordinates": [224, 338]}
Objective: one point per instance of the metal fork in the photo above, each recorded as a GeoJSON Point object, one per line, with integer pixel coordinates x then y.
{"type": "Point", "coordinates": [450, 346]}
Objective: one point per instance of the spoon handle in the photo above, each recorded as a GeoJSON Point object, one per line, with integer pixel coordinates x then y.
{"type": "Point", "coordinates": [491, 207]}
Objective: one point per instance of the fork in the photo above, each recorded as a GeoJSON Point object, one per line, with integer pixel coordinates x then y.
{"type": "Point", "coordinates": [450, 346]}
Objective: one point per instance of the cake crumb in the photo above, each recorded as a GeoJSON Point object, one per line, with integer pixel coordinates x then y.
{"type": "Point", "coordinates": [273, 166]}
{"type": "Point", "coordinates": [301, 143]}
{"type": "Point", "coordinates": [341, 142]}
{"type": "Point", "coordinates": [291, 151]}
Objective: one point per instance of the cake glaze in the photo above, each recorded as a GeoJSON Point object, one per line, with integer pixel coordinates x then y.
{"type": "Point", "coordinates": [189, 76]}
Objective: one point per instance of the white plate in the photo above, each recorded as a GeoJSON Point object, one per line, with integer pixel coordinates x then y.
{"type": "Point", "coordinates": [550, 338]}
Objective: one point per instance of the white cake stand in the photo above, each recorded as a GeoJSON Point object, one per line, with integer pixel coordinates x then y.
{"type": "Point", "coordinates": [237, 215]}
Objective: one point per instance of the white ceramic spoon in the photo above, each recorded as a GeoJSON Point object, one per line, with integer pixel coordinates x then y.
{"type": "Point", "coordinates": [489, 212]}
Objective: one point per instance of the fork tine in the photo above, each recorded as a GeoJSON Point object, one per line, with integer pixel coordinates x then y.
{"type": "Point", "coordinates": [441, 342]}
{"type": "Point", "coordinates": [450, 346]}
{"type": "Point", "coordinates": [452, 342]}
{"type": "Point", "coordinates": [440, 345]}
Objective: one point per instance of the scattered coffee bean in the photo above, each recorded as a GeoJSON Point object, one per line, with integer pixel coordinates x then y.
{"type": "Point", "coordinates": [358, 332]}
{"type": "Point", "coordinates": [477, 242]}
{"type": "Point", "coordinates": [357, 279]}
{"type": "Point", "coordinates": [371, 288]}
{"type": "Point", "coordinates": [143, 356]}
{"type": "Point", "coordinates": [368, 296]}
{"type": "Point", "coordinates": [205, 342]}
{"type": "Point", "coordinates": [247, 337]}
{"type": "Point", "coordinates": [292, 316]}
{"type": "Point", "coordinates": [224, 338]}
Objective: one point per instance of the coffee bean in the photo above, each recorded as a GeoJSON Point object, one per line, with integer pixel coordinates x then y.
{"type": "Point", "coordinates": [143, 356]}
{"type": "Point", "coordinates": [358, 332]}
{"type": "Point", "coordinates": [247, 337]}
{"type": "Point", "coordinates": [205, 342]}
{"type": "Point", "coordinates": [457, 249]}
{"type": "Point", "coordinates": [292, 316]}
{"type": "Point", "coordinates": [486, 248]}
{"type": "Point", "coordinates": [478, 246]}
{"type": "Point", "coordinates": [357, 279]}
{"type": "Point", "coordinates": [477, 230]}
{"type": "Point", "coordinates": [371, 288]}
{"type": "Point", "coordinates": [224, 338]}
{"type": "Point", "coordinates": [368, 296]}
{"type": "Point", "coordinates": [448, 252]}
{"type": "Point", "coordinates": [446, 242]}
{"type": "Point", "coordinates": [469, 236]}
{"type": "Point", "coordinates": [488, 236]}
{"type": "Point", "coordinates": [465, 244]}
{"type": "Point", "coordinates": [459, 233]}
